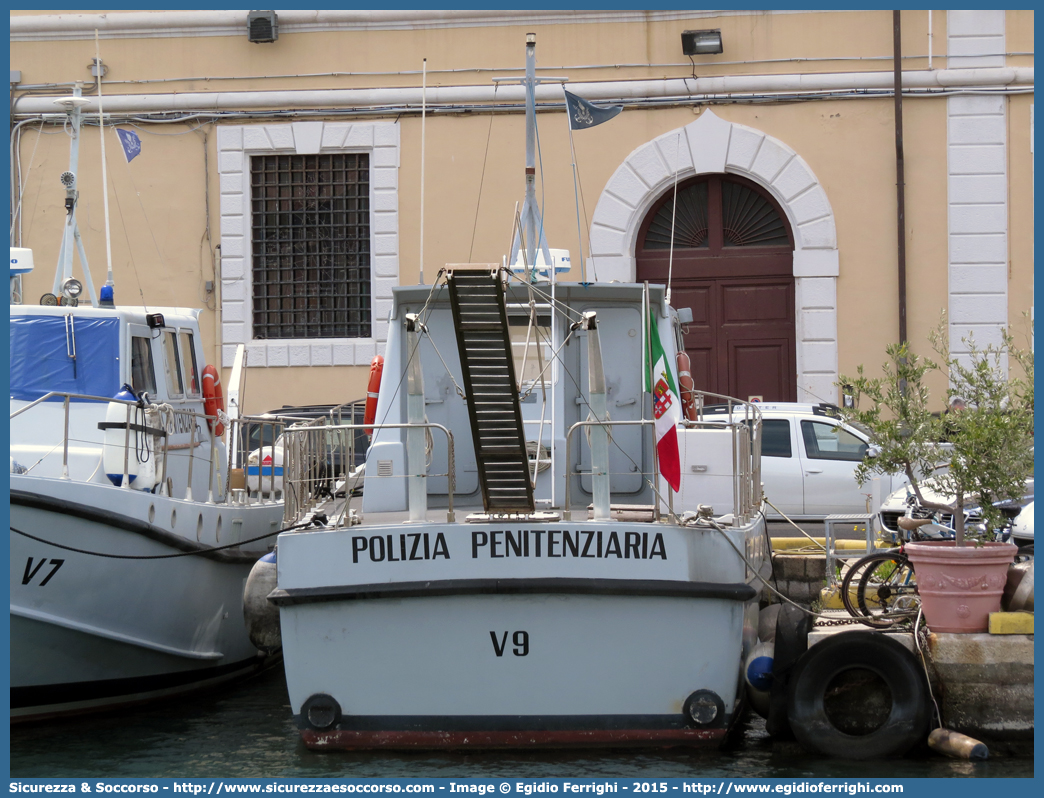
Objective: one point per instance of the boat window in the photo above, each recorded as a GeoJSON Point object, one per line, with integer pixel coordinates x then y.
{"type": "Point", "coordinates": [527, 365]}
{"type": "Point", "coordinates": [143, 369]}
{"type": "Point", "coordinates": [827, 442]}
{"type": "Point", "coordinates": [172, 366]}
{"type": "Point", "coordinates": [188, 362]}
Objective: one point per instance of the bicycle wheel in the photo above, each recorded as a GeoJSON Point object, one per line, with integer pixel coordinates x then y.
{"type": "Point", "coordinates": [851, 581]}
{"type": "Point", "coordinates": [885, 590]}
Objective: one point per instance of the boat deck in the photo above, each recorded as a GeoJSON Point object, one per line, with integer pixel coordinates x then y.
{"type": "Point", "coordinates": [336, 513]}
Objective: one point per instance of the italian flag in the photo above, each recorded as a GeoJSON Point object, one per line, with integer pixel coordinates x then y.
{"type": "Point", "coordinates": [666, 408]}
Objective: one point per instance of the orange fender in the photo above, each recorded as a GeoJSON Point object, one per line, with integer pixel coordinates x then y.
{"type": "Point", "coordinates": [213, 398]}
{"type": "Point", "coordinates": [686, 387]}
{"type": "Point", "coordinates": [372, 390]}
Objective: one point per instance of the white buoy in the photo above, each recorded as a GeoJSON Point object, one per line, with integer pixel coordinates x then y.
{"type": "Point", "coordinates": [261, 616]}
{"type": "Point", "coordinates": [115, 440]}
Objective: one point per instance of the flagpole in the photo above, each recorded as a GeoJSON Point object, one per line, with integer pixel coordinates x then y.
{"type": "Point", "coordinates": [424, 116]}
{"type": "Point", "coordinates": [576, 197]}
{"type": "Point", "coordinates": [648, 370]}
{"type": "Point", "coordinates": [105, 175]}
{"type": "Point", "coordinates": [674, 212]}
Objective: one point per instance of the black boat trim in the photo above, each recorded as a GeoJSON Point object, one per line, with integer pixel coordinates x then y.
{"type": "Point", "coordinates": [552, 585]}
{"type": "Point", "coordinates": [108, 518]}
{"type": "Point", "coordinates": [54, 695]}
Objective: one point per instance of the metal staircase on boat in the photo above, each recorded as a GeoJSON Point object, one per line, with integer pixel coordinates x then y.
{"type": "Point", "coordinates": [480, 317]}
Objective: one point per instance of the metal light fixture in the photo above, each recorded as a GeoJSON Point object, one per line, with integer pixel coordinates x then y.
{"type": "Point", "coordinates": [72, 288]}
{"type": "Point", "coordinates": [701, 42]}
{"type": "Point", "coordinates": [262, 26]}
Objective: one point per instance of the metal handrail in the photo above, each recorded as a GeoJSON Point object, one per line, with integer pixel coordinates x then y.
{"type": "Point", "coordinates": [743, 501]}
{"type": "Point", "coordinates": [49, 394]}
{"type": "Point", "coordinates": [125, 482]}
{"type": "Point", "coordinates": [450, 458]}
{"type": "Point", "coordinates": [746, 415]}
{"type": "Point", "coordinates": [567, 511]}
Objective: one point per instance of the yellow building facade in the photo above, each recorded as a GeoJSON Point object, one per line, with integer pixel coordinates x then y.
{"type": "Point", "coordinates": [794, 118]}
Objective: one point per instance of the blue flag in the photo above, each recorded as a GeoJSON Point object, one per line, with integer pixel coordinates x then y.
{"type": "Point", "coordinates": [583, 115]}
{"type": "Point", "coordinates": [131, 143]}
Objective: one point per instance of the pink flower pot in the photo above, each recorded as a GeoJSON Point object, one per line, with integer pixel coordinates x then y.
{"type": "Point", "coordinates": [960, 586]}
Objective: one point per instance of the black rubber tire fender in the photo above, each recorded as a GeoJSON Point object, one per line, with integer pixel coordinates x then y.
{"type": "Point", "coordinates": [909, 717]}
{"type": "Point", "coordinates": [791, 641]}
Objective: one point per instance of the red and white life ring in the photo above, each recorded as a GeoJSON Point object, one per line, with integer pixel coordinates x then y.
{"type": "Point", "coordinates": [372, 389]}
{"type": "Point", "coordinates": [686, 387]}
{"type": "Point", "coordinates": [213, 398]}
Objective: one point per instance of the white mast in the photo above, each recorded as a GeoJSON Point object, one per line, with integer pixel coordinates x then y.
{"type": "Point", "coordinates": [71, 234]}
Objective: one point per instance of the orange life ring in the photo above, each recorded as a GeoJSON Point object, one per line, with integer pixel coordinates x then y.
{"type": "Point", "coordinates": [686, 387]}
{"type": "Point", "coordinates": [372, 389]}
{"type": "Point", "coordinates": [213, 398]}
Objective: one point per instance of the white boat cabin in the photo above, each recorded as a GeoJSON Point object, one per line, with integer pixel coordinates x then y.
{"type": "Point", "coordinates": [79, 358]}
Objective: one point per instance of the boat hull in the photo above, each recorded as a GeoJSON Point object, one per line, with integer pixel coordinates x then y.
{"type": "Point", "coordinates": [540, 653]}
{"type": "Point", "coordinates": [91, 632]}
{"type": "Point", "coordinates": [346, 740]}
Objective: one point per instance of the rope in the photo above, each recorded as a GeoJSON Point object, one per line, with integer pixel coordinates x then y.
{"type": "Point", "coordinates": [710, 522]}
{"type": "Point", "coordinates": [555, 303]}
{"type": "Point", "coordinates": [157, 556]}
{"type": "Point", "coordinates": [425, 309]}
{"type": "Point", "coordinates": [674, 212]}
{"type": "Point", "coordinates": [554, 356]}
{"type": "Point", "coordinates": [924, 664]}
{"type": "Point", "coordinates": [799, 529]}
{"type": "Point", "coordinates": [460, 391]}
{"type": "Point", "coordinates": [482, 177]}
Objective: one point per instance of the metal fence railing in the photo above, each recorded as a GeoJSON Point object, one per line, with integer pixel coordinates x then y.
{"type": "Point", "coordinates": [315, 460]}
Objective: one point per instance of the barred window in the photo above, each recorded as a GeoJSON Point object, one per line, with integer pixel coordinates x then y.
{"type": "Point", "coordinates": [310, 219]}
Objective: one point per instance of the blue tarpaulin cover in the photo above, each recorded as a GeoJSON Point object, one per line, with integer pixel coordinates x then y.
{"type": "Point", "coordinates": [40, 360]}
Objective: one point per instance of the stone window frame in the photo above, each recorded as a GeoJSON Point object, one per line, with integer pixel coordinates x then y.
{"type": "Point", "coordinates": [236, 143]}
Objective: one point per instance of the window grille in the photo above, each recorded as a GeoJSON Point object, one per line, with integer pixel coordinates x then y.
{"type": "Point", "coordinates": [310, 220]}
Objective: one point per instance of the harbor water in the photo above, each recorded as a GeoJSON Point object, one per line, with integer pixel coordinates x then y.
{"type": "Point", "coordinates": [246, 731]}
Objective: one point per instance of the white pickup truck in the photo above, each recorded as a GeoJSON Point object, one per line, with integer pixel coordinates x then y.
{"type": "Point", "coordinates": [808, 460]}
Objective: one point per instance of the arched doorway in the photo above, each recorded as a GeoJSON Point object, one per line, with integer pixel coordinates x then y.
{"type": "Point", "coordinates": [733, 264]}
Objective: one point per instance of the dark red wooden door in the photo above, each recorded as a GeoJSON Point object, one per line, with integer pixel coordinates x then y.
{"type": "Point", "coordinates": [733, 265]}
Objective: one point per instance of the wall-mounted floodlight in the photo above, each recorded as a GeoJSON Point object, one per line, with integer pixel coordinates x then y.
{"type": "Point", "coordinates": [701, 42]}
{"type": "Point", "coordinates": [262, 26]}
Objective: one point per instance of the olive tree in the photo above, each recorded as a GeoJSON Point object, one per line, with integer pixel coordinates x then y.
{"type": "Point", "coordinates": [989, 442]}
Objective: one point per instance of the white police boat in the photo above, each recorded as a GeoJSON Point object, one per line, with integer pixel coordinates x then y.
{"type": "Point", "coordinates": [518, 571]}
{"type": "Point", "coordinates": [504, 581]}
{"type": "Point", "coordinates": [117, 499]}
{"type": "Point", "coordinates": [128, 551]}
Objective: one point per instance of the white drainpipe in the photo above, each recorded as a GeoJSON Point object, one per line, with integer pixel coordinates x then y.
{"type": "Point", "coordinates": [224, 23]}
{"type": "Point", "coordinates": [942, 79]}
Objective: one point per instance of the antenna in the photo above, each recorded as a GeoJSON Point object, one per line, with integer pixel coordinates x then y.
{"type": "Point", "coordinates": [106, 295]}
